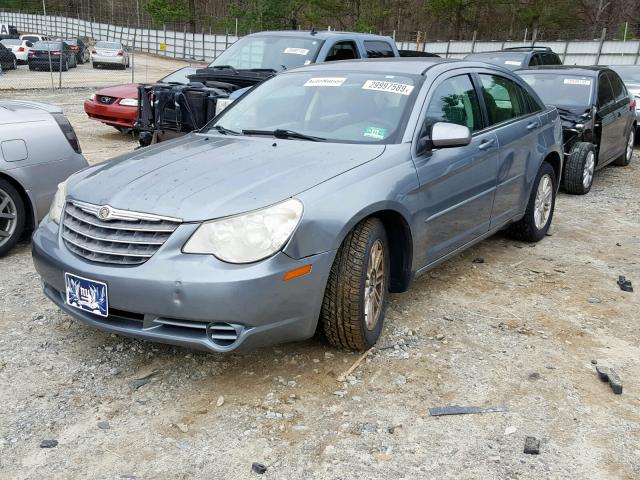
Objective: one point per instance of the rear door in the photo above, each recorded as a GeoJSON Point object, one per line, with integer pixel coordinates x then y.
{"type": "Point", "coordinates": [608, 118]}
{"type": "Point", "coordinates": [623, 114]}
{"type": "Point", "coordinates": [512, 115]}
{"type": "Point", "coordinates": [457, 185]}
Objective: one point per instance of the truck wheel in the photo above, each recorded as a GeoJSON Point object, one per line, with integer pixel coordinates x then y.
{"type": "Point", "coordinates": [625, 159]}
{"type": "Point", "coordinates": [352, 312]}
{"type": "Point", "coordinates": [579, 169]}
{"type": "Point", "coordinates": [537, 218]}
{"type": "Point", "coordinates": [12, 216]}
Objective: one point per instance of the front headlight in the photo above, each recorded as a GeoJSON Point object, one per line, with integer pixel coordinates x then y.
{"type": "Point", "coordinates": [248, 237]}
{"type": "Point", "coordinates": [57, 206]}
{"type": "Point", "coordinates": [129, 102]}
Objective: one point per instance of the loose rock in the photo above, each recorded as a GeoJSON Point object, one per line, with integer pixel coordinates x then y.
{"type": "Point", "coordinates": [258, 468]}
{"type": "Point", "coordinates": [531, 446]}
{"type": "Point", "coordinates": [48, 443]}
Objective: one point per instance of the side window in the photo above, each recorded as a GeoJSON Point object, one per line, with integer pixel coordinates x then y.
{"type": "Point", "coordinates": [619, 90]}
{"type": "Point", "coordinates": [534, 60]}
{"type": "Point", "coordinates": [555, 59]}
{"type": "Point", "coordinates": [605, 91]}
{"type": "Point", "coordinates": [454, 101]}
{"type": "Point", "coordinates": [502, 98]}
{"type": "Point", "coordinates": [378, 49]}
{"type": "Point", "coordinates": [342, 51]}
{"type": "Point", "coordinates": [530, 103]}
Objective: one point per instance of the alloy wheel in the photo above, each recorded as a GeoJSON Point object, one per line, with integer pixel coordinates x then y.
{"type": "Point", "coordinates": [543, 202]}
{"type": "Point", "coordinates": [374, 285]}
{"type": "Point", "coordinates": [8, 217]}
{"type": "Point", "coordinates": [589, 167]}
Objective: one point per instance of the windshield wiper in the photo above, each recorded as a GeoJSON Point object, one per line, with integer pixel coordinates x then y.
{"type": "Point", "coordinates": [225, 131]}
{"type": "Point", "coordinates": [280, 133]}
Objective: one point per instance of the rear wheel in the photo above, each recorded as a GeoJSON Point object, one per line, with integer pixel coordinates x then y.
{"type": "Point", "coordinates": [625, 159]}
{"type": "Point", "coordinates": [352, 312]}
{"type": "Point", "coordinates": [579, 169]}
{"type": "Point", "coordinates": [15, 64]}
{"type": "Point", "coordinates": [537, 218]}
{"type": "Point", "coordinates": [12, 216]}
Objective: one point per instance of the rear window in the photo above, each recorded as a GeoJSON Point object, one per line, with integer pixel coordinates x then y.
{"type": "Point", "coordinates": [71, 41]}
{"type": "Point", "coordinates": [510, 60]}
{"type": "Point", "coordinates": [112, 45]}
{"type": "Point", "coordinates": [47, 46]}
{"type": "Point", "coordinates": [378, 49]}
{"type": "Point", "coordinates": [31, 38]}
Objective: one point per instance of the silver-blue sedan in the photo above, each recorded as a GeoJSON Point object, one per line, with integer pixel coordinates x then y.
{"type": "Point", "coordinates": [303, 204]}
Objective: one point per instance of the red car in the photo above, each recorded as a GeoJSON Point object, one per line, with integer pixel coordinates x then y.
{"type": "Point", "coordinates": [118, 106]}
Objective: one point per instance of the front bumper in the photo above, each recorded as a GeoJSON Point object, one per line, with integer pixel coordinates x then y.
{"type": "Point", "coordinates": [182, 299]}
{"type": "Point", "coordinates": [112, 114]}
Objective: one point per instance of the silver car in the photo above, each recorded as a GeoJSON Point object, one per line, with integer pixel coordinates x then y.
{"type": "Point", "coordinates": [38, 150]}
{"type": "Point", "coordinates": [303, 204]}
{"type": "Point", "coordinates": [630, 75]}
{"type": "Point", "coordinates": [110, 54]}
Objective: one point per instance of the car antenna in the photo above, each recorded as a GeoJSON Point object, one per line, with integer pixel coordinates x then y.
{"type": "Point", "coordinates": [313, 31]}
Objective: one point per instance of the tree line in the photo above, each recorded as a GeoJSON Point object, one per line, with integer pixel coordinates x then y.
{"type": "Point", "coordinates": [431, 19]}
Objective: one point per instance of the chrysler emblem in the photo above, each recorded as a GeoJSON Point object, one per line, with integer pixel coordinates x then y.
{"type": "Point", "coordinates": [104, 213]}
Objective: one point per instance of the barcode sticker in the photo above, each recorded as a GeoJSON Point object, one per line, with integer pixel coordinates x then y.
{"type": "Point", "coordinates": [393, 87]}
{"type": "Point", "coordinates": [296, 51]}
{"type": "Point", "coordinates": [576, 81]}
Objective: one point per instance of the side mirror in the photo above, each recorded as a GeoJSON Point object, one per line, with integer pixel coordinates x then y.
{"type": "Point", "coordinates": [444, 134]}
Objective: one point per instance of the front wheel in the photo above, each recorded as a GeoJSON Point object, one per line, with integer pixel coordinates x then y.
{"type": "Point", "coordinates": [537, 218]}
{"type": "Point", "coordinates": [12, 216]}
{"type": "Point", "coordinates": [625, 159]}
{"type": "Point", "coordinates": [352, 312]}
{"type": "Point", "coordinates": [579, 169]}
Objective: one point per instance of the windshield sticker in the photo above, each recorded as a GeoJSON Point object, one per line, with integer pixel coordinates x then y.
{"type": "Point", "coordinates": [375, 132]}
{"type": "Point", "coordinates": [325, 82]}
{"type": "Point", "coordinates": [296, 51]}
{"type": "Point", "coordinates": [511, 62]}
{"type": "Point", "coordinates": [576, 81]}
{"type": "Point", "coordinates": [380, 86]}
{"type": "Point", "coordinates": [307, 62]}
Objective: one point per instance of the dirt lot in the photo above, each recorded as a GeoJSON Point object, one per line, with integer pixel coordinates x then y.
{"type": "Point", "coordinates": [144, 68]}
{"type": "Point", "coordinates": [518, 331]}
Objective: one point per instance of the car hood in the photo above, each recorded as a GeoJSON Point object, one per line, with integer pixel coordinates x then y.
{"type": "Point", "coordinates": [197, 178]}
{"type": "Point", "coordinates": [129, 90]}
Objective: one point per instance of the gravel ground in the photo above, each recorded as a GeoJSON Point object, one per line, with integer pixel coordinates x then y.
{"type": "Point", "coordinates": [519, 330]}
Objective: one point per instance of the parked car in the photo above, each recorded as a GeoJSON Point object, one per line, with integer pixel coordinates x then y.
{"type": "Point", "coordinates": [38, 150]}
{"type": "Point", "coordinates": [19, 48]}
{"type": "Point", "coordinates": [80, 49]}
{"type": "Point", "coordinates": [598, 118]}
{"type": "Point", "coordinates": [416, 53]}
{"type": "Point", "coordinates": [514, 58]}
{"type": "Point", "coordinates": [311, 197]}
{"type": "Point", "coordinates": [630, 75]}
{"type": "Point", "coordinates": [35, 37]}
{"type": "Point", "coordinates": [166, 112]}
{"type": "Point", "coordinates": [8, 60]}
{"type": "Point", "coordinates": [118, 106]}
{"type": "Point", "coordinates": [113, 54]}
{"type": "Point", "coordinates": [51, 55]}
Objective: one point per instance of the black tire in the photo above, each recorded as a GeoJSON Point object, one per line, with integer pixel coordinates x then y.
{"type": "Point", "coordinates": [7, 190]}
{"type": "Point", "coordinates": [343, 308]}
{"type": "Point", "coordinates": [95, 65]}
{"type": "Point", "coordinates": [526, 229]}
{"type": "Point", "coordinates": [575, 175]}
{"type": "Point", "coordinates": [65, 67]}
{"type": "Point", "coordinates": [625, 159]}
{"type": "Point", "coordinates": [15, 64]}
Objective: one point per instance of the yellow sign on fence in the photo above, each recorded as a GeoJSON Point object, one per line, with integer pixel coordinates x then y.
{"type": "Point", "coordinates": [163, 46]}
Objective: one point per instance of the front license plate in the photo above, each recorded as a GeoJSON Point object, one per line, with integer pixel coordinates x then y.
{"type": "Point", "coordinates": [88, 295]}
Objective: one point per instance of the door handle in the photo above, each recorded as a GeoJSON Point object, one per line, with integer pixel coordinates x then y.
{"type": "Point", "coordinates": [533, 126]}
{"type": "Point", "coordinates": [486, 144]}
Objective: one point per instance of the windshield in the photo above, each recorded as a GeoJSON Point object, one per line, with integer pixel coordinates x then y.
{"type": "Point", "coordinates": [560, 89]}
{"type": "Point", "coordinates": [630, 74]}
{"type": "Point", "coordinates": [47, 46]}
{"type": "Point", "coordinates": [276, 53]}
{"type": "Point", "coordinates": [509, 60]}
{"type": "Point", "coordinates": [179, 76]}
{"type": "Point", "coordinates": [11, 42]}
{"type": "Point", "coordinates": [354, 107]}
{"type": "Point", "coordinates": [113, 45]}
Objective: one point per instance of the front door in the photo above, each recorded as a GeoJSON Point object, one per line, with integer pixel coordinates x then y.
{"type": "Point", "coordinates": [457, 185]}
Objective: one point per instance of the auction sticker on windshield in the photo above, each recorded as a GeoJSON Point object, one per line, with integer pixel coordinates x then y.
{"type": "Point", "coordinates": [576, 81]}
{"type": "Point", "coordinates": [511, 62]}
{"type": "Point", "coordinates": [374, 132]}
{"type": "Point", "coordinates": [87, 295]}
{"type": "Point", "coordinates": [296, 51]}
{"type": "Point", "coordinates": [393, 87]}
{"type": "Point", "coordinates": [325, 82]}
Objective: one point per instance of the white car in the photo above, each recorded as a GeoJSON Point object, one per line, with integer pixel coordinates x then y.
{"type": "Point", "coordinates": [35, 37]}
{"type": "Point", "coordinates": [20, 48]}
{"type": "Point", "coordinates": [110, 54]}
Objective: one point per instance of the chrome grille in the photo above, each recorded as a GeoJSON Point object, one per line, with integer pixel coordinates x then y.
{"type": "Point", "coordinates": [106, 100]}
{"type": "Point", "coordinates": [122, 238]}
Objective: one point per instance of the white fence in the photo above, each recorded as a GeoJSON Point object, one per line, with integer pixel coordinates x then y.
{"type": "Point", "coordinates": [202, 46]}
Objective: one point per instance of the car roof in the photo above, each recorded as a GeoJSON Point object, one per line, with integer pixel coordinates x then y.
{"type": "Point", "coordinates": [586, 71]}
{"type": "Point", "coordinates": [320, 34]}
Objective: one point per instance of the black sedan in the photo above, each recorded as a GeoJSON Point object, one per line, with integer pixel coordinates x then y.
{"type": "Point", "coordinates": [52, 55]}
{"type": "Point", "coordinates": [80, 49]}
{"type": "Point", "coordinates": [598, 118]}
{"type": "Point", "coordinates": [7, 58]}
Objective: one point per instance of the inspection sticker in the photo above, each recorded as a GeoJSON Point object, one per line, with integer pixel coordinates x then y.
{"type": "Point", "coordinates": [511, 62]}
{"type": "Point", "coordinates": [375, 132]}
{"type": "Point", "coordinates": [576, 81]}
{"type": "Point", "coordinates": [296, 51]}
{"type": "Point", "coordinates": [393, 87]}
{"type": "Point", "coordinates": [325, 82]}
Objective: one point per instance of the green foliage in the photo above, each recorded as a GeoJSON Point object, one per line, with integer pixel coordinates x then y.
{"type": "Point", "coordinates": [162, 11]}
